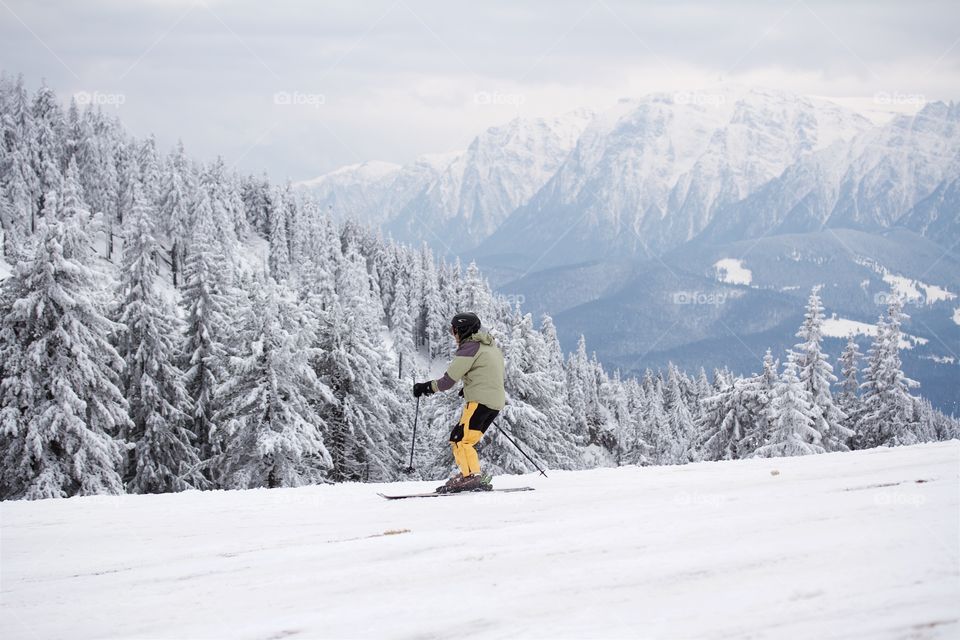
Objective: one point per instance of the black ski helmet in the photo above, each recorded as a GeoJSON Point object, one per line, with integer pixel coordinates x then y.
{"type": "Point", "coordinates": [465, 325]}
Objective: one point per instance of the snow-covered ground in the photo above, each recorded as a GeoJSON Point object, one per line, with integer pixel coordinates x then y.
{"type": "Point", "coordinates": [856, 545]}
{"type": "Point", "coordinates": [835, 327]}
{"type": "Point", "coordinates": [909, 289]}
{"type": "Point", "coordinates": [732, 271]}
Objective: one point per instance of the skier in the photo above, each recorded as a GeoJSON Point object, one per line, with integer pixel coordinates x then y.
{"type": "Point", "coordinates": [479, 363]}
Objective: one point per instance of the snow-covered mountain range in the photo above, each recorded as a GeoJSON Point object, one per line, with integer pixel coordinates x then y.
{"type": "Point", "coordinates": [454, 199]}
{"type": "Point", "coordinates": [599, 218]}
{"type": "Point", "coordinates": [649, 174]}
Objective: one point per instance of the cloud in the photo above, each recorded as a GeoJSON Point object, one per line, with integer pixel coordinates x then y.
{"type": "Point", "coordinates": [400, 77]}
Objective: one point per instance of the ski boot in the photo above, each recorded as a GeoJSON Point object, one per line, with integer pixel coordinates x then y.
{"type": "Point", "coordinates": [473, 482]}
{"type": "Point", "coordinates": [450, 485]}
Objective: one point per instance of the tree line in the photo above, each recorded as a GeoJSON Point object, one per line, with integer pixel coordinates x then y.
{"type": "Point", "coordinates": [172, 325]}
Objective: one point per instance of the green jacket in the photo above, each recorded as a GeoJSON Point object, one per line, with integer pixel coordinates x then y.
{"type": "Point", "coordinates": [479, 363]}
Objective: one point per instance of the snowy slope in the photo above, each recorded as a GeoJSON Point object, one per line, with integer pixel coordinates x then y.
{"type": "Point", "coordinates": [851, 545]}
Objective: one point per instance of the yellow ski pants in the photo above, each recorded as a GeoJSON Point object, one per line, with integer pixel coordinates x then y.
{"type": "Point", "coordinates": [473, 423]}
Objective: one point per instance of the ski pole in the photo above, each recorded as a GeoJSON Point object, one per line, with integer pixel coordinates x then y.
{"type": "Point", "coordinates": [413, 440]}
{"type": "Point", "coordinates": [542, 472]}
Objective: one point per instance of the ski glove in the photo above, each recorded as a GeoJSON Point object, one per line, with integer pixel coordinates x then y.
{"type": "Point", "coordinates": [422, 389]}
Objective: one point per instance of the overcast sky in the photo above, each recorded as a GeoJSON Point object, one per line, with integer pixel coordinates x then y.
{"type": "Point", "coordinates": [300, 88]}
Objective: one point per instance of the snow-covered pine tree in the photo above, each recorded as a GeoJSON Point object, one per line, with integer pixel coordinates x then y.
{"type": "Point", "coordinates": [60, 404]}
{"type": "Point", "coordinates": [207, 304]}
{"type": "Point", "coordinates": [363, 425]}
{"type": "Point", "coordinates": [849, 399]}
{"type": "Point", "coordinates": [279, 242]}
{"type": "Point", "coordinates": [475, 296]}
{"type": "Point", "coordinates": [760, 426]}
{"type": "Point", "coordinates": [728, 428]}
{"type": "Point", "coordinates": [272, 428]}
{"type": "Point", "coordinates": [793, 418]}
{"type": "Point", "coordinates": [255, 193]}
{"type": "Point", "coordinates": [165, 456]}
{"type": "Point", "coordinates": [656, 426]}
{"type": "Point", "coordinates": [293, 224]}
{"type": "Point", "coordinates": [402, 321]}
{"type": "Point", "coordinates": [175, 195]}
{"type": "Point", "coordinates": [637, 448]}
{"type": "Point", "coordinates": [888, 407]}
{"type": "Point", "coordinates": [103, 185]}
{"type": "Point", "coordinates": [434, 312]}
{"type": "Point", "coordinates": [532, 416]}
{"type": "Point", "coordinates": [681, 429]}
{"type": "Point", "coordinates": [148, 166]}
{"type": "Point", "coordinates": [18, 178]}
{"type": "Point", "coordinates": [84, 147]}
{"type": "Point", "coordinates": [700, 389]}
{"type": "Point", "coordinates": [50, 127]}
{"type": "Point", "coordinates": [223, 204]}
{"type": "Point", "coordinates": [127, 174]}
{"type": "Point", "coordinates": [583, 395]}
{"type": "Point", "coordinates": [73, 132]}
{"type": "Point", "coordinates": [614, 394]}
{"type": "Point", "coordinates": [849, 368]}
{"type": "Point", "coordinates": [816, 375]}
{"type": "Point", "coordinates": [554, 365]}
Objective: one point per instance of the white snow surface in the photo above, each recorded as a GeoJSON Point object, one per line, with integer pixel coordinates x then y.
{"type": "Point", "coordinates": [5, 269]}
{"type": "Point", "coordinates": [907, 288]}
{"type": "Point", "coordinates": [835, 327]}
{"type": "Point", "coordinates": [861, 544]}
{"type": "Point", "coordinates": [732, 271]}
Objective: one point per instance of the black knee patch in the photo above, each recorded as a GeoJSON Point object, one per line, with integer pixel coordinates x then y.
{"type": "Point", "coordinates": [457, 434]}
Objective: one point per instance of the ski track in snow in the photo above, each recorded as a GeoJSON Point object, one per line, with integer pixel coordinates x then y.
{"type": "Point", "coordinates": [860, 544]}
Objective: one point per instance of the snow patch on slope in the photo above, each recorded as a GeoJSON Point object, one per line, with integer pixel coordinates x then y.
{"type": "Point", "coordinates": [732, 271]}
{"type": "Point", "coordinates": [908, 289]}
{"type": "Point", "coordinates": [5, 269]}
{"type": "Point", "coordinates": [936, 293]}
{"type": "Point", "coordinates": [835, 327]}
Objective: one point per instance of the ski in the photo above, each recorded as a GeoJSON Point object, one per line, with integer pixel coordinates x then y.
{"type": "Point", "coordinates": [434, 494]}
